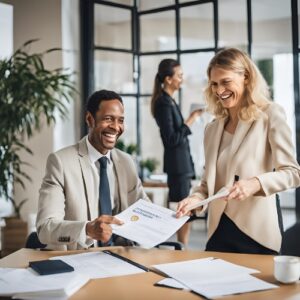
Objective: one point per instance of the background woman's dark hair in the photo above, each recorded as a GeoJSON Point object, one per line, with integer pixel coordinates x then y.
{"type": "Point", "coordinates": [165, 68]}
{"type": "Point", "coordinates": [97, 97]}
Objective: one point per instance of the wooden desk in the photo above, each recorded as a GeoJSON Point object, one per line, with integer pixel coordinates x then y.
{"type": "Point", "coordinates": [155, 184]}
{"type": "Point", "coordinates": [140, 286]}
{"type": "Point", "coordinates": [157, 192]}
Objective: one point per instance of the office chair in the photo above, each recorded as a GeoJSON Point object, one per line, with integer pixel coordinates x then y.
{"type": "Point", "coordinates": [290, 241]}
{"type": "Point", "coordinates": [171, 245]}
{"type": "Point", "coordinates": [33, 242]}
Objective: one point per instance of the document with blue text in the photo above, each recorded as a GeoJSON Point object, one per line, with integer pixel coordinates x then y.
{"type": "Point", "coordinates": [148, 224]}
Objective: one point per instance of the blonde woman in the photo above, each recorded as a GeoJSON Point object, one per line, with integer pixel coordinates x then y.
{"type": "Point", "coordinates": [249, 137]}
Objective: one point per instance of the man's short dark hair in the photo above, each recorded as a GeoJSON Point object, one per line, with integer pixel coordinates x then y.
{"type": "Point", "coordinates": [97, 97]}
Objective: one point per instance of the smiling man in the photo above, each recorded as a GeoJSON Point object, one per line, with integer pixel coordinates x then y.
{"type": "Point", "coordinates": [78, 198]}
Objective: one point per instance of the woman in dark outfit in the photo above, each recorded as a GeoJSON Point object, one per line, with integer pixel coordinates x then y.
{"type": "Point", "coordinates": [174, 131]}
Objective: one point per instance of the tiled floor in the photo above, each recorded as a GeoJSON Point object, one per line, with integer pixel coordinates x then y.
{"type": "Point", "coordinates": [199, 232]}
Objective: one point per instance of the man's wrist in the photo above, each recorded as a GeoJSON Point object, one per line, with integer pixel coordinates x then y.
{"type": "Point", "coordinates": [87, 229]}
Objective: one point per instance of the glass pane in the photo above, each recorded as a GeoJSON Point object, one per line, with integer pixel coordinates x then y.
{"type": "Point", "coordinates": [125, 2]}
{"type": "Point", "coordinates": [298, 23]}
{"type": "Point", "coordinates": [129, 135]}
{"type": "Point", "coordinates": [158, 31]}
{"type": "Point", "coordinates": [283, 82]}
{"type": "Point", "coordinates": [284, 95]}
{"type": "Point", "coordinates": [146, 4]}
{"type": "Point", "coordinates": [149, 66]}
{"type": "Point", "coordinates": [113, 71]}
{"type": "Point", "coordinates": [6, 30]}
{"type": "Point", "coordinates": [233, 27]}
{"type": "Point", "coordinates": [196, 26]}
{"type": "Point", "coordinates": [194, 72]}
{"type": "Point", "coordinates": [151, 144]}
{"type": "Point", "coordinates": [112, 27]}
{"type": "Point", "coordinates": [271, 19]}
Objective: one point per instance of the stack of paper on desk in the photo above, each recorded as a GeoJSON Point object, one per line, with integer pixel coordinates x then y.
{"type": "Point", "coordinates": [26, 284]}
{"type": "Point", "coordinates": [148, 224]}
{"type": "Point", "coordinates": [213, 278]}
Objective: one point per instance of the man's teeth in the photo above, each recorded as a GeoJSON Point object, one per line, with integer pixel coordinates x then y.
{"type": "Point", "coordinates": [110, 135]}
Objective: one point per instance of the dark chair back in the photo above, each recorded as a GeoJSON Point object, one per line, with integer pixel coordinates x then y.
{"type": "Point", "coordinates": [171, 245]}
{"type": "Point", "coordinates": [291, 241]}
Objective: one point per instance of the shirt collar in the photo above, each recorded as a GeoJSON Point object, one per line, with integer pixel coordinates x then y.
{"type": "Point", "coordinates": [94, 154]}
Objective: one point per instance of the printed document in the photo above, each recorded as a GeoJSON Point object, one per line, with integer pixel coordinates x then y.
{"type": "Point", "coordinates": [223, 192]}
{"type": "Point", "coordinates": [27, 284]}
{"type": "Point", "coordinates": [214, 278]}
{"type": "Point", "coordinates": [148, 224]}
{"type": "Point", "coordinates": [99, 265]}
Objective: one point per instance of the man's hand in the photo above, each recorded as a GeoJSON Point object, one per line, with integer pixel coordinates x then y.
{"type": "Point", "coordinates": [100, 229]}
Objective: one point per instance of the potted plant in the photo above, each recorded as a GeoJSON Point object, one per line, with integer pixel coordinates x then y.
{"type": "Point", "coordinates": [130, 148]}
{"type": "Point", "coordinates": [28, 91]}
{"type": "Point", "coordinates": [148, 166]}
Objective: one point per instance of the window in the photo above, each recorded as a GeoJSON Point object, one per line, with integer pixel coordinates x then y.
{"type": "Point", "coordinates": [131, 37]}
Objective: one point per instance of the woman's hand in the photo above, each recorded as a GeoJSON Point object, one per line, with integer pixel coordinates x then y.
{"type": "Point", "coordinates": [184, 206]}
{"type": "Point", "coordinates": [243, 189]}
{"type": "Point", "coordinates": [193, 116]}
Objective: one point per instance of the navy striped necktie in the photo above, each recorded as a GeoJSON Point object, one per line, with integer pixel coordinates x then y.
{"type": "Point", "coordinates": [104, 192]}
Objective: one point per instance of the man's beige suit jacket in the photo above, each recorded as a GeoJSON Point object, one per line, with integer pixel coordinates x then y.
{"type": "Point", "coordinates": [67, 200]}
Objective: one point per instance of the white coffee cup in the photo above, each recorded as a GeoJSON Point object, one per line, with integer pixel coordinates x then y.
{"type": "Point", "coordinates": [286, 268]}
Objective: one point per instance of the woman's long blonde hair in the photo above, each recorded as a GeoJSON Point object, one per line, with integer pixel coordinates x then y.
{"type": "Point", "coordinates": [256, 95]}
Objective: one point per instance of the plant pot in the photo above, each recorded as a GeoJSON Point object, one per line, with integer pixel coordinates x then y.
{"type": "Point", "coordinates": [13, 235]}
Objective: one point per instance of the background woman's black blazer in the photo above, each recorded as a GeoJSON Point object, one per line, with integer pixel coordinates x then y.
{"type": "Point", "coordinates": [173, 131]}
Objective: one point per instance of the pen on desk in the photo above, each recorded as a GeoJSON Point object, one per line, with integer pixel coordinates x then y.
{"type": "Point", "coordinates": [126, 259]}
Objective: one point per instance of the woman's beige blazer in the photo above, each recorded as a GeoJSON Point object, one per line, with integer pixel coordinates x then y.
{"type": "Point", "coordinates": [257, 148]}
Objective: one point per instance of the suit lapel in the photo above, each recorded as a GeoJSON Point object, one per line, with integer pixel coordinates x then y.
{"type": "Point", "coordinates": [213, 144]}
{"type": "Point", "coordinates": [239, 135]}
{"type": "Point", "coordinates": [86, 173]}
{"type": "Point", "coordinates": [238, 138]}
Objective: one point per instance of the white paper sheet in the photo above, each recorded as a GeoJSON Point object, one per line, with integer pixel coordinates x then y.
{"type": "Point", "coordinates": [214, 277]}
{"type": "Point", "coordinates": [223, 192]}
{"type": "Point", "coordinates": [172, 283]}
{"type": "Point", "coordinates": [99, 265]}
{"type": "Point", "coordinates": [26, 284]}
{"type": "Point", "coordinates": [234, 284]}
{"type": "Point", "coordinates": [148, 224]}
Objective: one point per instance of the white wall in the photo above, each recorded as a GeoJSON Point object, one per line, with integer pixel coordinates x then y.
{"type": "Point", "coordinates": [56, 24]}
{"type": "Point", "coordinates": [6, 50]}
